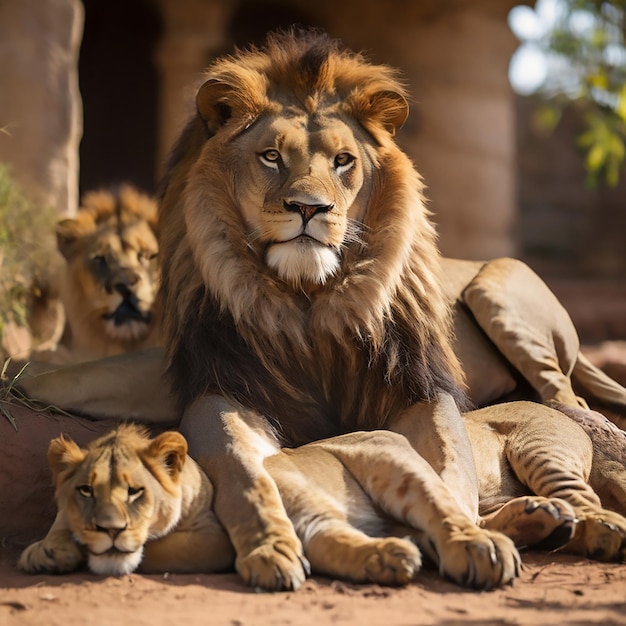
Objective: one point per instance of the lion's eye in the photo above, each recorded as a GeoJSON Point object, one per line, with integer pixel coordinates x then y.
{"type": "Point", "coordinates": [145, 257]}
{"type": "Point", "coordinates": [134, 493]}
{"type": "Point", "coordinates": [343, 160]}
{"type": "Point", "coordinates": [270, 158]}
{"type": "Point", "coordinates": [99, 261]}
{"type": "Point", "coordinates": [85, 490]}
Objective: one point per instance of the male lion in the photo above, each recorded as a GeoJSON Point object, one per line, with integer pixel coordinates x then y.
{"type": "Point", "coordinates": [301, 288]}
{"type": "Point", "coordinates": [128, 501]}
{"type": "Point", "coordinates": [110, 283]}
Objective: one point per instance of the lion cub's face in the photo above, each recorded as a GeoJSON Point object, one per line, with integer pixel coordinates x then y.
{"type": "Point", "coordinates": [303, 194]}
{"type": "Point", "coordinates": [118, 493]}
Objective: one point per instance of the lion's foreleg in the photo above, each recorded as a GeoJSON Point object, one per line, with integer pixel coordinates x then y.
{"type": "Point", "coordinates": [230, 444]}
{"type": "Point", "coordinates": [562, 456]}
{"type": "Point", "coordinates": [326, 507]}
{"type": "Point", "coordinates": [125, 387]}
{"type": "Point", "coordinates": [407, 488]}
{"type": "Point", "coordinates": [437, 431]}
{"type": "Point", "coordinates": [56, 553]}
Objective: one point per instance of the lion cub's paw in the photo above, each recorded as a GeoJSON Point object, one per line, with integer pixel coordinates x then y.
{"type": "Point", "coordinates": [275, 566]}
{"type": "Point", "coordinates": [393, 562]}
{"type": "Point", "coordinates": [58, 553]}
{"type": "Point", "coordinates": [479, 558]}
{"type": "Point", "coordinates": [601, 536]}
{"type": "Point", "coordinates": [547, 523]}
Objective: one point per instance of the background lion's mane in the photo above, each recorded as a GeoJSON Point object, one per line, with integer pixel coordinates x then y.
{"type": "Point", "coordinates": [373, 339]}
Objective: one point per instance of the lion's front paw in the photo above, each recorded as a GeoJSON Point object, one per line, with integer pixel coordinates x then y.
{"type": "Point", "coordinates": [58, 553]}
{"type": "Point", "coordinates": [275, 566]}
{"type": "Point", "coordinates": [546, 523]}
{"type": "Point", "coordinates": [479, 558]}
{"type": "Point", "coordinates": [393, 562]}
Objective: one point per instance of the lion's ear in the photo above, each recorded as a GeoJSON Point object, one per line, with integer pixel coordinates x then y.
{"type": "Point", "coordinates": [387, 109]}
{"type": "Point", "coordinates": [64, 456]}
{"type": "Point", "coordinates": [214, 104]}
{"type": "Point", "coordinates": [70, 230]}
{"type": "Point", "coordinates": [218, 101]}
{"type": "Point", "coordinates": [170, 449]}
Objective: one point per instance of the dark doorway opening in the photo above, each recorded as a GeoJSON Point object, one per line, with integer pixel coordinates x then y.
{"type": "Point", "coordinates": [253, 20]}
{"type": "Point", "coordinates": [119, 85]}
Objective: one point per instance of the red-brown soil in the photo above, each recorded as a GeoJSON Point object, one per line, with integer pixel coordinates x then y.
{"type": "Point", "coordinates": [553, 589]}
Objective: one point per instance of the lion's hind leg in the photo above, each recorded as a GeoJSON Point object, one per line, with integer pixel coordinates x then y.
{"type": "Point", "coordinates": [554, 459]}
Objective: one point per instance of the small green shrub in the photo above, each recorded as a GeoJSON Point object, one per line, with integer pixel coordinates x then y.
{"type": "Point", "coordinates": [26, 249]}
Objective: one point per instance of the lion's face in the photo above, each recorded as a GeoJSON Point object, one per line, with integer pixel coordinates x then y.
{"type": "Point", "coordinates": [297, 168]}
{"type": "Point", "coordinates": [111, 279]}
{"type": "Point", "coordinates": [117, 494]}
{"type": "Point", "coordinates": [302, 192]}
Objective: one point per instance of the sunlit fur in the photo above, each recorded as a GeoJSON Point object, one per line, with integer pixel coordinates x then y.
{"type": "Point", "coordinates": [337, 331]}
{"type": "Point", "coordinates": [110, 248]}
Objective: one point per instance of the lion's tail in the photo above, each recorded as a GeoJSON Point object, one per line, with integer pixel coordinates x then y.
{"type": "Point", "coordinates": [592, 383]}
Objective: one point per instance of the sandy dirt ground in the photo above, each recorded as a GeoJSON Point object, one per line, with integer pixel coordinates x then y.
{"type": "Point", "coordinates": [554, 588]}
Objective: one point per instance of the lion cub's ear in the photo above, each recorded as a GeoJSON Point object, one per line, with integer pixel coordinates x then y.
{"type": "Point", "coordinates": [70, 230]}
{"type": "Point", "coordinates": [64, 456]}
{"type": "Point", "coordinates": [170, 449]}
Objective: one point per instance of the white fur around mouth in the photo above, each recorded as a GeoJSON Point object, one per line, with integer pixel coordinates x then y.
{"type": "Point", "coordinates": [302, 259]}
{"type": "Point", "coordinates": [115, 563]}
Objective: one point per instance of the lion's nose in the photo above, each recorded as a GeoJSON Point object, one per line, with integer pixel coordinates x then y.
{"type": "Point", "coordinates": [123, 282]}
{"type": "Point", "coordinates": [113, 531]}
{"type": "Point", "coordinates": [307, 211]}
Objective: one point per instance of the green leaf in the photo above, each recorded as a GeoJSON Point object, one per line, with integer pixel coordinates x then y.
{"type": "Point", "coordinates": [596, 157]}
{"type": "Point", "coordinates": [621, 106]}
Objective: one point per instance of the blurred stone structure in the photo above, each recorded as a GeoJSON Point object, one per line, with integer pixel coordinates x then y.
{"type": "Point", "coordinates": [140, 62]}
{"type": "Point", "coordinates": [568, 226]}
{"type": "Point", "coordinates": [40, 107]}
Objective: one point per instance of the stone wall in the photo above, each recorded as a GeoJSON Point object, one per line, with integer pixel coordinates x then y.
{"type": "Point", "coordinates": [568, 227]}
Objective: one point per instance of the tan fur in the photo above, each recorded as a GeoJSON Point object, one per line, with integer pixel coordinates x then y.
{"type": "Point", "coordinates": [110, 249]}
{"type": "Point", "coordinates": [144, 496]}
{"type": "Point", "coordinates": [155, 500]}
{"type": "Point", "coordinates": [523, 449]}
{"type": "Point", "coordinates": [504, 316]}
